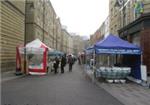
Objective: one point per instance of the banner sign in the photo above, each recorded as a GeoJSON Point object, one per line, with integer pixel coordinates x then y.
{"type": "Point", "coordinates": [118, 51]}
{"type": "Point", "coordinates": [139, 7]}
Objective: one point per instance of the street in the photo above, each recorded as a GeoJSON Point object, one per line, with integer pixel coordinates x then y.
{"type": "Point", "coordinates": [70, 88]}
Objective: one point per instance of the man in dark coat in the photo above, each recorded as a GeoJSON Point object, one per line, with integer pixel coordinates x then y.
{"type": "Point", "coordinates": [63, 63]}
{"type": "Point", "coordinates": [56, 65]}
{"type": "Point", "coordinates": [70, 62]}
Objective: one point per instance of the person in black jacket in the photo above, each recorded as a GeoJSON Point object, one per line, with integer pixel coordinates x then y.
{"type": "Point", "coordinates": [63, 63]}
{"type": "Point", "coordinates": [70, 62]}
{"type": "Point", "coordinates": [56, 65]}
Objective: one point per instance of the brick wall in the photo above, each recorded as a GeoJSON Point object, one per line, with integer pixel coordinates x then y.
{"type": "Point", "coordinates": [145, 44]}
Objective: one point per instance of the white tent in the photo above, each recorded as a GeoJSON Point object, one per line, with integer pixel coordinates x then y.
{"type": "Point", "coordinates": [37, 53]}
{"type": "Point", "coordinates": [36, 46]}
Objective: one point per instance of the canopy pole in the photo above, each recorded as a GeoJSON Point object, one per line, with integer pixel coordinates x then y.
{"type": "Point", "coordinates": [94, 64]}
{"type": "Point", "coordinates": [141, 59]}
{"type": "Point", "coordinates": [94, 55]}
{"type": "Point", "coordinates": [108, 60]}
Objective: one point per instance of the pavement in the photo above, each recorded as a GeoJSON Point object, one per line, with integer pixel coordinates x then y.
{"type": "Point", "coordinates": [10, 75]}
{"type": "Point", "coordinates": [70, 88]}
{"type": "Point", "coordinates": [128, 93]}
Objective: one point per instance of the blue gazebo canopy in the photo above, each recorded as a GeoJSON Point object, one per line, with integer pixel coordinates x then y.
{"type": "Point", "coordinates": [112, 44]}
{"type": "Point", "coordinates": [89, 50]}
{"type": "Point", "coordinates": [55, 53]}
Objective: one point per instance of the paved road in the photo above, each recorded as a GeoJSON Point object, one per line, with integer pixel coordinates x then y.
{"type": "Point", "coordinates": [70, 88]}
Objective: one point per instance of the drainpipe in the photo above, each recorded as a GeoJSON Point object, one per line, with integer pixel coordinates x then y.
{"type": "Point", "coordinates": [53, 31]}
{"type": "Point", "coordinates": [25, 39]}
{"type": "Point", "coordinates": [43, 19]}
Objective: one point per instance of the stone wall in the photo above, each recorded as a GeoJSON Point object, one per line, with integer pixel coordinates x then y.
{"type": "Point", "coordinates": [145, 44]}
{"type": "Point", "coordinates": [12, 32]}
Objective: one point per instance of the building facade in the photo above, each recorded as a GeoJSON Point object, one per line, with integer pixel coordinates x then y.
{"type": "Point", "coordinates": [23, 21]}
{"type": "Point", "coordinates": [78, 44]}
{"type": "Point", "coordinates": [41, 22]}
{"type": "Point", "coordinates": [114, 15]}
{"type": "Point", "coordinates": [12, 32]}
{"type": "Point", "coordinates": [58, 35]}
{"type": "Point", "coordinates": [70, 44]}
{"type": "Point", "coordinates": [133, 24]}
{"type": "Point", "coordinates": [138, 32]}
{"type": "Point", "coordinates": [92, 39]}
{"type": "Point", "coordinates": [123, 14]}
{"type": "Point", "coordinates": [86, 43]}
{"type": "Point", "coordinates": [101, 32]}
{"type": "Point", "coordinates": [65, 35]}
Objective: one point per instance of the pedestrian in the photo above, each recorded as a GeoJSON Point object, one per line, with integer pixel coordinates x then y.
{"type": "Point", "coordinates": [56, 65]}
{"type": "Point", "coordinates": [79, 61]}
{"type": "Point", "coordinates": [70, 62]}
{"type": "Point", "coordinates": [63, 63]}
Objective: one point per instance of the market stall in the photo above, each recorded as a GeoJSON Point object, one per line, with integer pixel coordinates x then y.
{"type": "Point", "coordinates": [89, 52]}
{"type": "Point", "coordinates": [35, 55]}
{"type": "Point", "coordinates": [55, 53]}
{"type": "Point", "coordinates": [114, 47]}
{"type": "Point", "coordinates": [52, 55]}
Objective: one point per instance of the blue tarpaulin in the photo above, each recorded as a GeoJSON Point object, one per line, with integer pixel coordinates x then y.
{"type": "Point", "coordinates": [114, 45]}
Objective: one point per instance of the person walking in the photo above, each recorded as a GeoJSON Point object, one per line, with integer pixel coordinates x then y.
{"type": "Point", "coordinates": [56, 65]}
{"type": "Point", "coordinates": [63, 63]}
{"type": "Point", "coordinates": [70, 62]}
{"type": "Point", "coordinates": [79, 61]}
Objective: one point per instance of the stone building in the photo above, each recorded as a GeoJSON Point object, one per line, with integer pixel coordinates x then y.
{"type": "Point", "coordinates": [41, 22]}
{"type": "Point", "coordinates": [122, 14]}
{"type": "Point", "coordinates": [70, 44]}
{"type": "Point", "coordinates": [50, 25]}
{"type": "Point", "coordinates": [92, 39]}
{"type": "Point", "coordinates": [23, 21]}
{"type": "Point", "coordinates": [78, 44]}
{"type": "Point", "coordinates": [133, 24]}
{"type": "Point", "coordinates": [58, 34]}
{"type": "Point", "coordinates": [86, 43]}
{"type": "Point", "coordinates": [114, 19]}
{"type": "Point", "coordinates": [101, 32]}
{"type": "Point", "coordinates": [65, 36]}
{"type": "Point", "coordinates": [12, 31]}
{"type": "Point", "coordinates": [138, 32]}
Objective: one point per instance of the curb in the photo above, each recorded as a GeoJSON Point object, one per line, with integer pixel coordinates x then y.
{"type": "Point", "coordinates": [7, 76]}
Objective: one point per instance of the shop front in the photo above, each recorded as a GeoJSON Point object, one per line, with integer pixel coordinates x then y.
{"type": "Point", "coordinates": [138, 32]}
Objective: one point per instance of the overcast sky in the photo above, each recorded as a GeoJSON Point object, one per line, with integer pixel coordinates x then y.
{"type": "Point", "coordinates": [83, 17]}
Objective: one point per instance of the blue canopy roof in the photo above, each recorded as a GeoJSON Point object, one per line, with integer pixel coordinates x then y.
{"type": "Point", "coordinates": [113, 44]}
{"type": "Point", "coordinates": [55, 53]}
{"type": "Point", "coordinates": [89, 50]}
